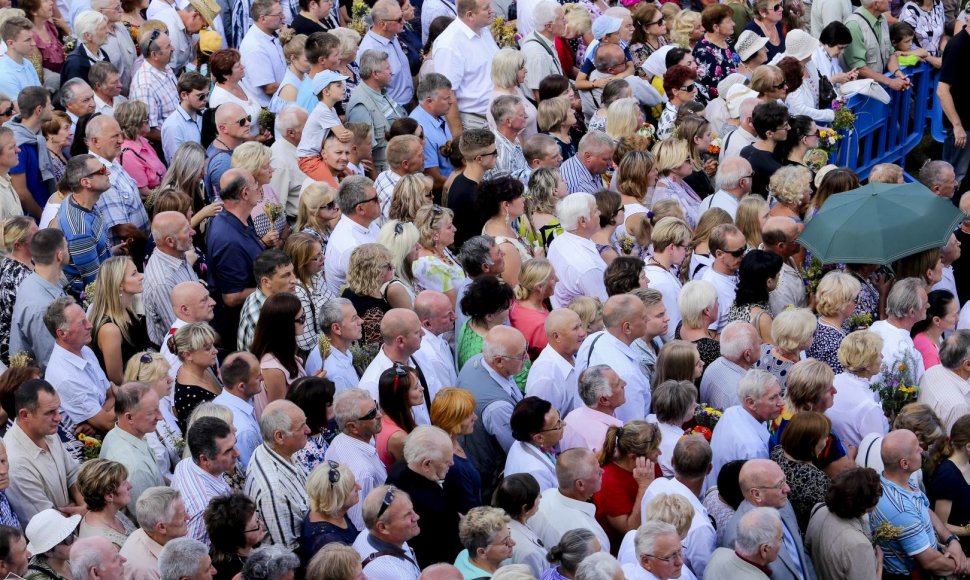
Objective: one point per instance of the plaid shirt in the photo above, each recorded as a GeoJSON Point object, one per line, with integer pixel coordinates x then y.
{"type": "Point", "coordinates": [121, 203]}
{"type": "Point", "coordinates": [87, 243]}
{"type": "Point", "coordinates": [157, 89]}
{"type": "Point", "coordinates": [384, 184]}
{"type": "Point", "coordinates": [248, 318]}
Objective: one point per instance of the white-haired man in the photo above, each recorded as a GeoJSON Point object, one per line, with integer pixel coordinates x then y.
{"type": "Point", "coordinates": [161, 518]}
{"type": "Point", "coordinates": [540, 27]}
{"type": "Point", "coordinates": [659, 553]}
{"type": "Point", "coordinates": [553, 376]}
{"type": "Point", "coordinates": [733, 182]}
{"type": "Point", "coordinates": [740, 350]}
{"type": "Point", "coordinates": [758, 542]}
{"type": "Point", "coordinates": [185, 559]}
{"type": "Point", "coordinates": [594, 156]}
{"type": "Point", "coordinates": [96, 558]}
{"type": "Point", "coordinates": [602, 392]}
{"type": "Point", "coordinates": [578, 264]}
{"type": "Point", "coordinates": [946, 387]}
{"type": "Point", "coordinates": [287, 177]}
{"type": "Point", "coordinates": [568, 507]}
{"type": "Point", "coordinates": [437, 316]}
{"type": "Point", "coordinates": [906, 304]}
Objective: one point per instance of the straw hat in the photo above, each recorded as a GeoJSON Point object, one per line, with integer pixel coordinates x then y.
{"type": "Point", "coordinates": [800, 45]}
{"type": "Point", "coordinates": [207, 8]}
{"type": "Point", "coordinates": [48, 529]}
{"type": "Point", "coordinates": [749, 43]}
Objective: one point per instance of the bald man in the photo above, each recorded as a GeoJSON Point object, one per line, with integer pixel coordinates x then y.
{"type": "Point", "coordinates": [778, 237]}
{"type": "Point", "coordinates": [233, 128]}
{"type": "Point", "coordinates": [401, 333]}
{"type": "Point", "coordinates": [121, 205]}
{"type": "Point", "coordinates": [553, 375]}
{"type": "Point", "coordinates": [437, 316]}
{"type": "Point", "coordinates": [441, 571]}
{"type": "Point", "coordinates": [190, 302]}
{"type": "Point", "coordinates": [489, 377]}
{"type": "Point", "coordinates": [169, 265]}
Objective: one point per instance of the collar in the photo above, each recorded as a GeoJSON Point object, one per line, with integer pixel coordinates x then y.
{"type": "Point", "coordinates": [92, 57]}
{"type": "Point", "coordinates": [187, 116]}
{"type": "Point", "coordinates": [438, 120]}
{"type": "Point", "coordinates": [381, 545]}
{"type": "Point", "coordinates": [154, 548]}
{"type": "Point", "coordinates": [236, 403]}
{"type": "Point", "coordinates": [560, 362]}
{"type": "Point", "coordinates": [27, 444]}
{"type": "Point", "coordinates": [343, 357]}
{"type": "Point", "coordinates": [382, 40]}
{"type": "Point", "coordinates": [570, 503]}
{"type": "Point", "coordinates": [465, 29]}
{"type": "Point", "coordinates": [356, 227]}
{"type": "Point", "coordinates": [364, 448]}
{"type": "Point", "coordinates": [764, 569]}
{"type": "Point", "coordinates": [586, 243]}
{"type": "Point", "coordinates": [507, 382]}
{"type": "Point", "coordinates": [79, 362]}
{"type": "Point", "coordinates": [962, 383]}
{"type": "Point", "coordinates": [129, 437]}
{"type": "Point", "coordinates": [209, 479]}
{"type": "Point", "coordinates": [109, 164]}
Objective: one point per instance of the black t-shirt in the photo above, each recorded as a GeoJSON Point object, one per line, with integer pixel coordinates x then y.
{"type": "Point", "coordinates": [462, 196]}
{"type": "Point", "coordinates": [303, 25]}
{"type": "Point", "coordinates": [954, 74]}
{"type": "Point", "coordinates": [763, 165]}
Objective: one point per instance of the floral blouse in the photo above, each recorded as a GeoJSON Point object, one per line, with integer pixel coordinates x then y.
{"type": "Point", "coordinates": [668, 118]}
{"type": "Point", "coordinates": [12, 273]}
{"type": "Point", "coordinates": [714, 64]}
{"type": "Point", "coordinates": [641, 52]}
{"type": "Point", "coordinates": [809, 484]}
{"type": "Point", "coordinates": [433, 273]}
{"type": "Point", "coordinates": [312, 453]}
{"type": "Point", "coordinates": [928, 25]}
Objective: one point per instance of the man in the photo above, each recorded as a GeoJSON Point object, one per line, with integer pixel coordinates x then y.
{"type": "Point", "coordinates": [273, 271]}
{"type": "Point", "coordinates": [391, 522]}
{"type": "Point", "coordinates": [691, 463]}
{"type": "Point", "coordinates": [583, 171]}
{"type": "Point", "coordinates": [779, 237]}
{"type": "Point", "coordinates": [609, 61]}
{"type": "Point", "coordinates": [602, 393]}
{"type": "Point", "coordinates": [441, 570]}
{"type": "Point", "coordinates": [770, 121]}
{"type": "Point", "coordinates": [541, 150]}
{"type": "Point", "coordinates": [167, 267]}
{"type": "Point", "coordinates": [939, 177]}
{"type": "Point", "coordinates": [906, 304]}
{"type": "Point", "coordinates": [360, 208]}
{"type": "Point", "coordinates": [183, 21]}
{"type": "Point", "coordinates": [242, 380]}
{"type": "Point", "coordinates": [740, 350]}
{"type": "Point", "coordinates": [383, 37]}
{"type": "Point", "coordinates": [10, 204]}
{"type": "Point", "coordinates": [119, 46]}
{"type": "Point", "coordinates": [405, 155]}
{"type": "Point", "coordinates": [569, 507]}
{"type": "Point", "coordinates": [14, 545]}
{"type": "Point", "coordinates": [479, 151]}
{"type": "Point", "coordinates": [508, 112]}
{"type": "Point", "coordinates": [401, 333]}
{"type": "Point", "coordinates": [428, 454]}
{"type": "Point", "coordinates": [727, 246]}
{"type": "Point", "coordinates": [952, 92]}
{"type": "Point", "coordinates": [32, 178]}
{"type": "Point", "coordinates": [185, 559]}
{"type": "Point", "coordinates": [463, 53]}
{"type": "Point", "coordinates": [870, 52]}
{"type": "Point", "coordinates": [48, 250]}
{"type": "Point", "coordinates": [314, 16]}
{"type": "Point", "coordinates": [434, 101]}
{"type": "Point", "coordinates": [539, 44]}
{"type": "Point", "coordinates": [946, 387]}
{"type": "Point", "coordinates": [154, 83]}
{"type": "Point", "coordinates": [161, 519]}
{"type": "Point", "coordinates": [553, 376]}
{"type": "Point", "coordinates": [287, 177]}
{"type": "Point", "coordinates": [480, 256]}
{"type": "Point", "coordinates": [212, 445]}
{"type": "Point", "coordinates": [77, 98]}
{"type": "Point", "coordinates": [87, 397]}
{"type": "Point", "coordinates": [948, 255]}
{"type": "Point", "coordinates": [96, 558]}
{"type": "Point", "coordinates": [262, 53]}
{"type": "Point", "coordinates": [106, 83]}
{"type": "Point", "coordinates": [190, 303]}
{"type": "Point", "coordinates": [578, 264]}
{"type": "Point", "coordinates": [273, 480]}
{"type": "Point", "coordinates": [437, 361]}
{"type": "Point", "coordinates": [136, 407]}
{"type": "Point", "coordinates": [371, 103]}
{"type": "Point", "coordinates": [232, 130]}
{"type": "Point", "coordinates": [489, 376]}
{"type": "Point", "coordinates": [339, 321]}
{"type": "Point", "coordinates": [16, 70]}
{"type": "Point", "coordinates": [120, 205]}
{"type": "Point", "coordinates": [741, 433]}
{"type": "Point", "coordinates": [185, 123]}
{"type": "Point", "coordinates": [658, 552]}
{"type": "Point", "coordinates": [625, 318]}
{"type": "Point", "coordinates": [757, 545]}
{"type": "Point", "coordinates": [886, 173]}
{"type": "Point", "coordinates": [335, 157]}
{"type": "Point", "coordinates": [87, 238]}
{"type": "Point", "coordinates": [733, 182]}
{"type": "Point", "coordinates": [744, 135]}
{"type": "Point", "coordinates": [358, 418]}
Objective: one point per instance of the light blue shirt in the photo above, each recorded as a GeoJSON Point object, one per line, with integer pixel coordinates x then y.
{"type": "Point", "coordinates": [436, 134]}
{"type": "Point", "coordinates": [401, 89]}
{"type": "Point", "coordinates": [15, 77]}
{"type": "Point", "coordinates": [179, 128]}
{"type": "Point", "coordinates": [248, 436]}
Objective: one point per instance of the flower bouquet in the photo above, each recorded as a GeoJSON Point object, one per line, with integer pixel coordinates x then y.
{"type": "Point", "coordinates": [70, 43]}
{"type": "Point", "coordinates": [504, 33]}
{"type": "Point", "coordinates": [813, 274]}
{"type": "Point", "coordinates": [895, 386]}
{"type": "Point", "coordinates": [21, 360]}
{"type": "Point", "coordinates": [714, 148]}
{"type": "Point", "coordinates": [844, 117]}
{"type": "Point", "coordinates": [858, 322]}
{"type": "Point", "coordinates": [273, 212]}
{"type": "Point", "coordinates": [647, 130]}
{"type": "Point", "coordinates": [626, 244]}
{"type": "Point", "coordinates": [358, 17]}
{"type": "Point", "coordinates": [828, 139]}
{"type": "Point", "coordinates": [266, 120]}
{"type": "Point", "coordinates": [92, 446]}
{"type": "Point", "coordinates": [816, 158]}
{"type": "Point", "coordinates": [885, 532]}
{"type": "Point", "coordinates": [706, 418]}
{"type": "Point", "coordinates": [704, 432]}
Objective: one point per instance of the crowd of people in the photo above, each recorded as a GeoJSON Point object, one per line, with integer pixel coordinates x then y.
{"type": "Point", "coordinates": [468, 289]}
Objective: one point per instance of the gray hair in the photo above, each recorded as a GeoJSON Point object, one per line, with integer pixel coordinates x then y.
{"type": "Point", "coordinates": [695, 297]}
{"type": "Point", "coordinates": [596, 141]}
{"type": "Point", "coordinates": [69, 90]}
{"type": "Point", "coordinates": [672, 399]}
{"type": "Point", "coordinates": [755, 383]}
{"type": "Point", "coordinates": [955, 349]}
{"type": "Point", "coordinates": [572, 549]}
{"type": "Point", "coordinates": [288, 118]}
{"type": "Point", "coordinates": [757, 527]}
{"type": "Point", "coordinates": [156, 505]}
{"type": "Point", "coordinates": [332, 313]}
{"type": "Point", "coordinates": [513, 572]}
{"type": "Point", "coordinates": [731, 172]}
{"type": "Point", "coordinates": [95, 125]}
{"type": "Point", "coordinates": [904, 297]}
{"type": "Point", "coordinates": [932, 173]}
{"type": "Point", "coordinates": [476, 251]}
{"type": "Point", "coordinates": [276, 418]}
{"type": "Point", "coordinates": [571, 466]}
{"type": "Point", "coordinates": [147, 44]}
{"type": "Point", "coordinates": [180, 558]}
{"type": "Point", "coordinates": [371, 61]}
{"type": "Point", "coordinates": [426, 442]}
{"type": "Point", "coordinates": [575, 206]}
{"type": "Point", "coordinates": [736, 338]}
{"type": "Point", "coordinates": [504, 107]}
{"type": "Point", "coordinates": [345, 405]}
{"type": "Point", "coordinates": [269, 563]}
{"type": "Point", "coordinates": [598, 566]}
{"type": "Point", "coordinates": [593, 384]}
{"type": "Point", "coordinates": [430, 84]}
{"type": "Point", "coordinates": [129, 396]}
{"type": "Point", "coordinates": [100, 71]}
{"type": "Point", "coordinates": [55, 317]}
{"type": "Point", "coordinates": [650, 532]}
{"type": "Point", "coordinates": [87, 22]}
{"type": "Point", "coordinates": [352, 192]}
{"type": "Point", "coordinates": [545, 13]}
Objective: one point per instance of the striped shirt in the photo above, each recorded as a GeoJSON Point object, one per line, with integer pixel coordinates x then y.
{"type": "Point", "coordinates": [279, 489]}
{"type": "Point", "coordinates": [578, 178]}
{"type": "Point", "coordinates": [907, 509]}
{"type": "Point", "coordinates": [248, 318]}
{"type": "Point", "coordinates": [162, 273]}
{"type": "Point", "coordinates": [198, 487]}
{"type": "Point", "coordinates": [87, 243]}
{"type": "Point", "coordinates": [121, 203]}
{"type": "Point", "coordinates": [367, 467]}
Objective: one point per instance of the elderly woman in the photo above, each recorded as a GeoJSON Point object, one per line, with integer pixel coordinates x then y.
{"type": "Point", "coordinates": [791, 187]}
{"type": "Point", "coordinates": [854, 412]}
{"type": "Point", "coordinates": [697, 303]}
{"type": "Point", "coordinates": [528, 313]}
{"type": "Point", "coordinates": [50, 535]}
{"type": "Point", "coordinates": [335, 562]}
{"type": "Point", "coordinates": [369, 271]}
{"type": "Point", "coordinates": [270, 563]}
{"type": "Point", "coordinates": [556, 118]}
{"type": "Point", "coordinates": [518, 495]}
{"type": "Point", "coordinates": [311, 394]}
{"type": "Point", "coordinates": [674, 404]}
{"type": "Point", "coordinates": [714, 55]}
{"type": "Point", "coordinates": [196, 381]}
{"type": "Point", "coordinates": [624, 118]}
{"type": "Point", "coordinates": [767, 23]}
{"type": "Point", "coordinates": [268, 216]}
{"type": "Point", "coordinates": [769, 82]}
{"type": "Point", "coordinates": [436, 268]}
{"type": "Point", "coordinates": [801, 443]}
{"type": "Point", "coordinates": [941, 316]}
{"type": "Point", "coordinates": [318, 211]}
{"type": "Point", "coordinates": [152, 369]}
{"type": "Point", "coordinates": [833, 40]}
{"type": "Point", "coordinates": [487, 538]}
{"type": "Point", "coordinates": [629, 460]}
{"type": "Point", "coordinates": [852, 495]}
{"type": "Point", "coordinates": [687, 29]}
{"type": "Point", "coordinates": [347, 66]}
{"type": "Point", "coordinates": [674, 163]}
{"type": "Point", "coordinates": [791, 334]}
{"type": "Point", "coordinates": [614, 90]}
{"type": "Point", "coordinates": [332, 490]}
{"type": "Point", "coordinates": [228, 71]}
{"type": "Point", "coordinates": [680, 87]}
{"type": "Point", "coordinates": [503, 200]}
{"type": "Point", "coordinates": [91, 29]}
{"type": "Point", "coordinates": [537, 429]}
{"type": "Point", "coordinates": [757, 277]}
{"type": "Point", "coordinates": [106, 491]}
{"type": "Point", "coordinates": [835, 301]}
{"type": "Point", "coordinates": [722, 500]}
{"type": "Point", "coordinates": [411, 193]}
{"type": "Point", "coordinates": [453, 410]}
{"type": "Point", "coordinates": [573, 548]}
{"type": "Point", "coordinates": [235, 529]}
{"type": "Point", "coordinates": [47, 38]}
{"type": "Point", "coordinates": [306, 251]}
{"type": "Point", "coordinates": [137, 156]}
{"type": "Point", "coordinates": [541, 226]}
{"type": "Point", "coordinates": [401, 239]}
{"type": "Point", "coordinates": [649, 31]}
{"type": "Point", "coordinates": [508, 74]}
{"type": "Point", "coordinates": [57, 133]}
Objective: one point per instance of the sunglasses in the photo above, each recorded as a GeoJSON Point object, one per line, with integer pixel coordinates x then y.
{"type": "Point", "coordinates": [8, 112]}
{"type": "Point", "coordinates": [776, 8]}
{"type": "Point", "coordinates": [368, 200]}
{"type": "Point", "coordinates": [656, 22]}
{"type": "Point", "coordinates": [737, 253]}
{"type": "Point", "coordinates": [436, 211]}
{"type": "Point", "coordinates": [373, 414]}
{"type": "Point", "coordinates": [300, 319]}
{"type": "Point", "coordinates": [399, 372]}
{"type": "Point", "coordinates": [779, 86]}
{"type": "Point", "coordinates": [489, 154]}
{"type": "Point", "coordinates": [102, 171]}
{"type": "Point", "coordinates": [388, 500]}
{"type": "Point", "coordinates": [689, 88]}
{"type": "Point", "coordinates": [143, 360]}
{"type": "Point", "coordinates": [333, 475]}
{"type": "Point", "coordinates": [245, 120]}
{"type": "Point", "coordinates": [331, 206]}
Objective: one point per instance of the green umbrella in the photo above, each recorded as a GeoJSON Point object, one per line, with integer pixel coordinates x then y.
{"type": "Point", "coordinates": [879, 223]}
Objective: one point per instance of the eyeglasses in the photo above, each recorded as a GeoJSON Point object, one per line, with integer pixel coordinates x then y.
{"type": "Point", "coordinates": [245, 120]}
{"type": "Point", "coordinates": [368, 200]}
{"type": "Point", "coordinates": [331, 206]}
{"type": "Point", "coordinates": [333, 475]}
{"type": "Point", "coordinates": [300, 319]}
{"type": "Point", "coordinates": [815, 134]}
{"type": "Point", "coordinates": [8, 112]}
{"type": "Point", "coordinates": [689, 88]}
{"type": "Point", "coordinates": [748, 176]}
{"type": "Point", "coordinates": [780, 485]}
{"type": "Point", "coordinates": [521, 357]}
{"type": "Point", "coordinates": [555, 427]}
{"type": "Point", "coordinates": [507, 542]}
{"type": "Point", "coordinates": [489, 154]}
{"type": "Point", "coordinates": [776, 8]}
{"type": "Point", "coordinates": [399, 371]}
{"type": "Point", "coordinates": [388, 500]}
{"type": "Point", "coordinates": [259, 525]}
{"type": "Point", "coordinates": [689, 160]}
{"type": "Point", "coordinates": [736, 253]}
{"type": "Point", "coordinates": [102, 171]}
{"type": "Point", "coordinates": [678, 555]}
{"type": "Point", "coordinates": [373, 414]}
{"type": "Point", "coordinates": [398, 20]}
{"type": "Point", "coordinates": [69, 540]}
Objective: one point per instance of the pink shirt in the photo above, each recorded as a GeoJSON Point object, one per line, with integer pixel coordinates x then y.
{"type": "Point", "coordinates": [388, 428]}
{"type": "Point", "coordinates": [142, 163]}
{"type": "Point", "coordinates": [531, 323]}
{"type": "Point", "coordinates": [927, 348]}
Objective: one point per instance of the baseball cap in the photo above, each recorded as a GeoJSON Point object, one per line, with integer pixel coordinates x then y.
{"type": "Point", "coordinates": [324, 78]}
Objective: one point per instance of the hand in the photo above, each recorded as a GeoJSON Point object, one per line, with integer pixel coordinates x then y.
{"type": "Point", "coordinates": [322, 373]}
{"type": "Point", "coordinates": [538, 252]}
{"type": "Point", "coordinates": [120, 249]}
{"type": "Point", "coordinates": [600, 83]}
{"type": "Point", "coordinates": [955, 550]}
{"type": "Point", "coordinates": [882, 282]}
{"type": "Point", "coordinates": [710, 167]}
{"type": "Point", "coordinates": [343, 135]}
{"type": "Point", "coordinates": [643, 471]}
{"type": "Point", "coordinates": [210, 210]}
{"type": "Point", "coordinates": [191, 257]}
{"type": "Point", "coordinates": [959, 137]}
{"type": "Point", "coordinates": [84, 429]}
{"type": "Point", "coordinates": [368, 166]}
{"type": "Point", "coordinates": [897, 84]}
{"type": "Point", "coordinates": [271, 237]}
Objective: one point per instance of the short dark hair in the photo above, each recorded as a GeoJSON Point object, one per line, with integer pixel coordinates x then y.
{"type": "Point", "coordinates": [835, 33]}
{"type": "Point", "coordinates": [45, 244]}
{"type": "Point", "coordinates": [802, 434]}
{"type": "Point", "coordinates": [30, 98]}
{"type": "Point", "coordinates": [516, 494]}
{"type": "Point", "coordinates": [623, 275]}
{"type": "Point", "coordinates": [492, 192]}
{"type": "Point", "coordinates": [319, 45]}
{"type": "Point", "coordinates": [552, 86]}
{"type": "Point", "coordinates": [27, 395]}
{"type": "Point", "coordinates": [768, 117]}
{"type": "Point", "coordinates": [202, 436]}
{"type": "Point", "coordinates": [791, 70]}
{"type": "Point", "coordinates": [474, 253]}
{"type": "Point", "coordinates": [853, 492]}
{"type": "Point", "coordinates": [729, 483]}
{"type": "Point", "coordinates": [226, 518]}
{"type": "Point", "coordinates": [236, 371]}
{"type": "Point", "coordinates": [714, 15]}
{"type": "Point", "coordinates": [311, 394]}
{"type": "Point", "coordinates": [192, 81]}
{"type": "Point", "coordinates": [402, 126]}
{"type": "Point", "coordinates": [900, 31]}
{"type": "Point", "coordinates": [486, 295]}
{"type": "Point", "coordinates": [528, 417]}
{"type": "Point", "coordinates": [675, 55]}
{"type": "Point", "coordinates": [268, 262]}
{"type": "Point", "coordinates": [221, 63]}
{"type": "Point", "coordinates": [8, 535]}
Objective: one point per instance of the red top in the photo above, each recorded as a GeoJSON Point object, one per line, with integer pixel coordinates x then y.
{"type": "Point", "coordinates": [565, 56]}
{"type": "Point", "coordinates": [615, 498]}
{"type": "Point", "coordinates": [532, 325]}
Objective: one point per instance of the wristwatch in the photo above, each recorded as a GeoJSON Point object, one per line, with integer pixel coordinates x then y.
{"type": "Point", "coordinates": [950, 538]}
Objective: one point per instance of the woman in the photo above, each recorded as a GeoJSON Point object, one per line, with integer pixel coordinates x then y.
{"type": "Point", "coordinates": [49, 540]}
{"type": "Point", "coordinates": [436, 268]}
{"type": "Point", "coordinates": [792, 332]}
{"type": "Point", "coordinates": [137, 155]}
{"type": "Point", "coordinates": [401, 239]}
{"type": "Point", "coordinates": [791, 187]}
{"type": "Point", "coordinates": [950, 481]}
{"type": "Point", "coordinates": [556, 118]}
{"type": "Point", "coordinates": [528, 313]}
{"type": "Point", "coordinates": [335, 562]}
{"type": "Point", "coordinates": [133, 17]}
{"type": "Point", "coordinates": [928, 20]}
{"type": "Point", "coordinates": [486, 302]}
{"type": "Point", "coordinates": [769, 82]}
{"type": "Point", "coordinates": [674, 404]}
{"type": "Point", "coordinates": [565, 557]}
{"type": "Point", "coordinates": [803, 440]}
{"type": "Point", "coordinates": [767, 23]}
{"type": "Point", "coordinates": [941, 316]}
{"type": "Point", "coordinates": [503, 200]}
{"type": "Point", "coordinates": [636, 176]}
{"type": "Point", "coordinates": [700, 251]}
{"type": "Point", "coordinates": [307, 255]}
{"type": "Point", "coordinates": [453, 410]}
{"type": "Point", "coordinates": [833, 40]}
{"type": "Point", "coordinates": [195, 382]}
{"type": "Point", "coordinates": [166, 440]}
{"type": "Point", "coordinates": [485, 534]}
{"type": "Point", "coordinates": [118, 332]}
{"type": "Point", "coordinates": [614, 90]}
{"type": "Point", "coordinates": [437, 26]}
{"type": "Point", "coordinates": [838, 180]}
{"type": "Point", "coordinates": [629, 460]}
{"type": "Point", "coordinates": [802, 99]}
{"type": "Point", "coordinates": [235, 529]}
{"type": "Point", "coordinates": [687, 29]}
{"type": "Point", "coordinates": [508, 75]}
{"type": "Point", "coordinates": [697, 132]}
{"type": "Point", "coordinates": [349, 42]}
{"type": "Point", "coordinates": [611, 215]}
{"type": "Point", "coordinates": [57, 134]}
{"type": "Point", "coordinates": [185, 172]}
{"type": "Point", "coordinates": [697, 303]}
{"type": "Point", "coordinates": [518, 495]}
{"type": "Point", "coordinates": [228, 71]}
{"type": "Point", "coordinates": [411, 193]}
{"type": "Point", "coordinates": [311, 394]}
{"type": "Point", "coordinates": [91, 30]}
{"type": "Point", "coordinates": [680, 87]}
{"type": "Point", "coordinates": [674, 164]}
{"type": "Point", "coordinates": [757, 277]}
{"type": "Point", "coordinates": [624, 118]}
{"type": "Point", "coordinates": [369, 272]}
{"type": "Point", "coordinates": [802, 138]}
{"type": "Point", "coordinates": [318, 212]}
{"type": "Point", "coordinates": [752, 214]}
{"type": "Point", "coordinates": [297, 66]}
{"type": "Point", "coordinates": [256, 158]}
{"type": "Point", "coordinates": [835, 302]}
{"type": "Point", "coordinates": [723, 499]}
{"type": "Point", "coordinates": [541, 226]}
{"type": "Point", "coordinates": [537, 429]}
{"type": "Point", "coordinates": [47, 39]}
{"type": "Point", "coordinates": [398, 390]}
{"type": "Point", "coordinates": [16, 234]}
{"type": "Point", "coordinates": [649, 29]}
{"type": "Point", "coordinates": [855, 413]}
{"type": "Point", "coordinates": [678, 360]}
{"type": "Point", "coordinates": [332, 490]}
{"type": "Point", "coordinates": [106, 491]}
{"type": "Point", "coordinates": [852, 495]}
{"type": "Point", "coordinates": [281, 320]}
{"type": "Point", "coordinates": [624, 274]}
{"type": "Point", "coordinates": [715, 57]}
{"type": "Point", "coordinates": [926, 265]}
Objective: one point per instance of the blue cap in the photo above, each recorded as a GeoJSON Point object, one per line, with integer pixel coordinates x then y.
{"type": "Point", "coordinates": [324, 78]}
{"type": "Point", "coordinates": [604, 25]}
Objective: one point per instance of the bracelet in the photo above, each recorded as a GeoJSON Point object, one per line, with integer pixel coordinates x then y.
{"type": "Point", "coordinates": [950, 539]}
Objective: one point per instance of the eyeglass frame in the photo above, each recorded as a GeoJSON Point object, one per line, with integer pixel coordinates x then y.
{"type": "Point", "coordinates": [371, 415]}
{"type": "Point", "coordinates": [387, 501]}
{"type": "Point", "coordinates": [103, 171]}
{"type": "Point", "coordinates": [671, 558]}
{"type": "Point", "coordinates": [260, 525]}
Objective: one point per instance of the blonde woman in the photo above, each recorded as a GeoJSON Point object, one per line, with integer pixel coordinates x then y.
{"type": "Point", "coordinates": [331, 490]}
{"type": "Point", "coordinates": [335, 562]}
{"type": "Point", "coordinates": [401, 239]}
{"type": "Point", "coordinates": [670, 239]}
{"type": "Point", "coordinates": [636, 177]}
{"type": "Point", "coordinates": [297, 67]}
{"type": "Point", "coordinates": [318, 212]}
{"type": "Point", "coordinates": [556, 118]}
{"type": "Point", "coordinates": [411, 193]}
{"type": "Point", "coordinates": [487, 538]}
{"type": "Point", "coordinates": [623, 118]}
{"type": "Point", "coordinates": [752, 214]}
{"type": "Point", "coordinates": [687, 29]}
{"type": "Point", "coordinates": [15, 236]}
{"type": "Point", "coordinates": [528, 313]}
{"type": "Point", "coordinates": [579, 27]}
{"type": "Point", "coordinates": [769, 82]}
{"type": "Point", "coordinates": [256, 158]}
{"type": "Point", "coordinates": [118, 332]}
{"type": "Point", "coordinates": [196, 381]}
{"type": "Point", "coordinates": [436, 268]}
{"type": "Point", "coordinates": [854, 412]}
{"type": "Point", "coordinates": [349, 41]}
{"type": "Point", "coordinates": [674, 163]}
{"type": "Point", "coordinates": [453, 410]}
{"type": "Point", "coordinates": [106, 491]}
{"type": "Point", "coordinates": [306, 251]}
{"type": "Point", "coordinates": [791, 334]}
{"type": "Point", "coordinates": [541, 226]}
{"type": "Point", "coordinates": [370, 270]}
{"type": "Point", "coordinates": [835, 302]}
{"type": "Point", "coordinates": [508, 74]}
{"type": "Point", "coordinates": [183, 173]}
{"type": "Point", "coordinates": [165, 441]}
{"type": "Point", "coordinates": [590, 312]}
{"type": "Point", "coordinates": [791, 186]}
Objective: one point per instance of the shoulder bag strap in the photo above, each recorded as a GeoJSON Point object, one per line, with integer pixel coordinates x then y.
{"type": "Point", "coordinates": [589, 355]}
{"type": "Point", "coordinates": [381, 553]}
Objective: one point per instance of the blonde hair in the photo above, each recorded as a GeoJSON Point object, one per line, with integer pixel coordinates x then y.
{"type": "Point", "coordinates": [790, 183]}
{"type": "Point", "coordinates": [621, 118]}
{"type": "Point", "coordinates": [589, 310]}
{"type": "Point", "coordinates": [684, 24]}
{"type": "Point", "coordinates": [671, 154]}
{"type": "Point", "coordinates": [748, 218]}
{"type": "Point", "coordinates": [808, 380]}
{"type": "Point", "coordinates": [669, 231]}
{"type": "Point", "coordinates": [365, 272]}
{"type": "Point", "coordinates": [479, 526]}
{"type": "Point", "coordinates": [792, 329]}
{"type": "Point", "coordinates": [450, 407]}
{"type": "Point", "coordinates": [349, 41]}
{"type": "Point", "coordinates": [578, 19]}
{"type": "Point", "coordinates": [299, 247]}
{"type": "Point", "coordinates": [399, 245]}
{"type": "Point", "coordinates": [765, 78]}
{"type": "Point", "coordinates": [532, 274]}
{"type": "Point", "coordinates": [149, 372]}
{"type": "Point", "coordinates": [695, 297]}
{"type": "Point", "coordinates": [506, 65]}
{"type": "Point", "coordinates": [636, 437]}
{"type": "Point", "coordinates": [835, 291]}
{"type": "Point", "coordinates": [325, 497]}
{"type": "Point", "coordinates": [689, 128]}
{"type": "Point", "coordinates": [860, 351]}
{"type": "Point", "coordinates": [294, 47]}
{"type": "Point", "coordinates": [410, 195]}
{"type": "Point", "coordinates": [334, 561]}
{"type": "Point", "coordinates": [251, 156]}
{"type": "Point", "coordinates": [190, 338]}
{"type": "Point", "coordinates": [315, 196]}
{"type": "Point", "coordinates": [632, 173]}
{"type": "Point", "coordinates": [552, 113]}
{"type": "Point", "coordinates": [14, 230]}
{"type": "Point", "coordinates": [106, 305]}
{"type": "Point", "coordinates": [673, 509]}
{"type": "Point", "coordinates": [425, 217]}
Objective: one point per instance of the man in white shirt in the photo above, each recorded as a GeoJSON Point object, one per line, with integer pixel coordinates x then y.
{"type": "Point", "coordinates": [191, 302]}
{"type": "Point", "coordinates": [540, 23]}
{"type": "Point", "coordinates": [568, 507]}
{"type": "Point", "coordinates": [670, 239]}
{"type": "Point", "coordinates": [740, 350]}
{"type": "Point", "coordinates": [383, 545]}
{"type": "Point", "coordinates": [779, 236]}
{"type": "Point", "coordinates": [262, 53]}
{"type": "Point", "coordinates": [946, 387]}
{"type": "Point", "coordinates": [733, 182]}
{"type": "Point", "coordinates": [949, 254]}
{"type": "Point", "coordinates": [405, 155]}
{"type": "Point", "coordinates": [553, 376]}
{"type": "Point", "coordinates": [906, 304]}
{"type": "Point", "coordinates": [342, 326]}
{"type": "Point", "coordinates": [242, 380]}
{"type": "Point", "coordinates": [625, 318]}
{"type": "Point", "coordinates": [744, 135]}
{"type": "Point", "coordinates": [602, 392]}
{"type": "Point", "coordinates": [401, 334]}
{"type": "Point", "coordinates": [656, 552]}
{"type": "Point", "coordinates": [435, 356]}
{"type": "Point", "coordinates": [359, 207]}
{"type": "Point", "coordinates": [287, 178]}
{"type": "Point", "coordinates": [182, 23]}
{"type": "Point", "coordinates": [106, 83]}
{"type": "Point", "coordinates": [727, 246]}
{"type": "Point", "coordinates": [578, 264]}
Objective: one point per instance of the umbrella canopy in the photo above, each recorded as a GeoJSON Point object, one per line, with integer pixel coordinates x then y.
{"type": "Point", "coordinates": [879, 223]}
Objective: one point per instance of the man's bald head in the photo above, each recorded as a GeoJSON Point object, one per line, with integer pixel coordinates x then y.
{"type": "Point", "coordinates": [608, 56]}
{"type": "Point", "coordinates": [229, 113]}
{"type": "Point", "coordinates": [504, 341]}
{"type": "Point", "coordinates": [430, 302]}
{"type": "Point", "coordinates": [441, 571]}
{"type": "Point", "coordinates": [621, 308]}
{"type": "Point", "coordinates": [398, 322]}
{"type": "Point", "coordinates": [758, 472]}
{"type": "Point", "coordinates": [560, 320]}
{"type": "Point", "coordinates": [900, 451]}
{"type": "Point", "coordinates": [191, 302]}
{"type": "Point", "coordinates": [778, 230]}
{"type": "Point", "coordinates": [233, 182]}
{"type": "Point", "coordinates": [168, 223]}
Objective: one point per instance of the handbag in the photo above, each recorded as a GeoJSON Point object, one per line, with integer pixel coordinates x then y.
{"type": "Point", "coordinates": [826, 92]}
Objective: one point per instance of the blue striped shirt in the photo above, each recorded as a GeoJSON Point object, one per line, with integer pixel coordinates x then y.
{"type": "Point", "coordinates": [907, 510]}
{"type": "Point", "coordinates": [87, 243]}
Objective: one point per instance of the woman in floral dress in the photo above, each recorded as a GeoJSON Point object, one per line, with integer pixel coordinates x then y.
{"type": "Point", "coordinates": [713, 54]}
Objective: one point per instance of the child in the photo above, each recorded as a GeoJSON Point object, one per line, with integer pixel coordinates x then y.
{"type": "Point", "coordinates": [361, 152]}
{"type": "Point", "coordinates": [901, 36]}
{"type": "Point", "coordinates": [329, 86]}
